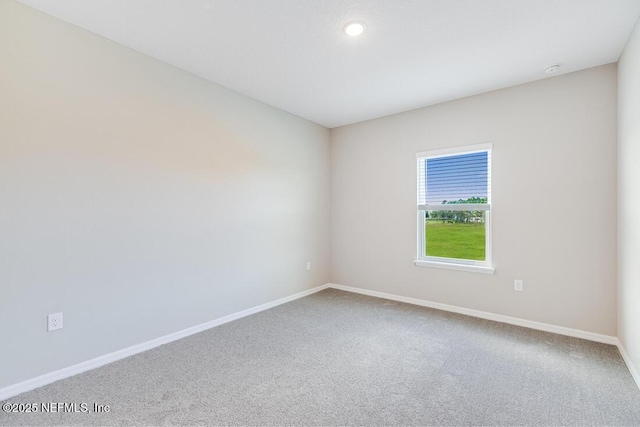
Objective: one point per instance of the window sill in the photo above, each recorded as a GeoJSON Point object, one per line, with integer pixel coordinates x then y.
{"type": "Point", "coordinates": [451, 266]}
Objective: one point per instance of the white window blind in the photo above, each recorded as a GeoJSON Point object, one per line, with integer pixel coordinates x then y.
{"type": "Point", "coordinates": [455, 182]}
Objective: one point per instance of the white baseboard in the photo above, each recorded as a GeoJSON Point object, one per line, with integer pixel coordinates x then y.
{"type": "Point", "coordinates": [22, 387]}
{"type": "Point", "coordinates": [561, 330]}
{"type": "Point", "coordinates": [591, 336]}
{"type": "Point", "coordinates": [630, 366]}
{"type": "Point", "coordinates": [42, 380]}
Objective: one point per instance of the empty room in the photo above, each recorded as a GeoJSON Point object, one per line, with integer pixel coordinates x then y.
{"type": "Point", "coordinates": [320, 212]}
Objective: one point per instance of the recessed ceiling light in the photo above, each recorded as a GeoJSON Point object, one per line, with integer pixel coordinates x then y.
{"type": "Point", "coordinates": [552, 69]}
{"type": "Point", "coordinates": [354, 28]}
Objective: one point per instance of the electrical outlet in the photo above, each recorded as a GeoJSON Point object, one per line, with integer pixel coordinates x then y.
{"type": "Point", "coordinates": [54, 321]}
{"type": "Point", "coordinates": [308, 265]}
{"type": "Point", "coordinates": [518, 285]}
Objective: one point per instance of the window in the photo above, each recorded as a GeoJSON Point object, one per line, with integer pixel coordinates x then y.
{"type": "Point", "coordinates": [454, 208]}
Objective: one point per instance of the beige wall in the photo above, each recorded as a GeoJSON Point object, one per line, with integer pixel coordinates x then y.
{"type": "Point", "coordinates": [629, 198]}
{"type": "Point", "coordinates": [141, 200]}
{"type": "Point", "coordinates": [553, 193]}
{"type": "Point", "coordinates": [138, 199]}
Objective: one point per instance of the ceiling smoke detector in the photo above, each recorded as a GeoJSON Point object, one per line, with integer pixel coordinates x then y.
{"type": "Point", "coordinates": [354, 28]}
{"type": "Point", "coordinates": [552, 69]}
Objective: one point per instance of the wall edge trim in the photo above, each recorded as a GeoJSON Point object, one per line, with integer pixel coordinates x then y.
{"type": "Point", "coordinates": [48, 378]}
{"type": "Point", "coordinates": [561, 330]}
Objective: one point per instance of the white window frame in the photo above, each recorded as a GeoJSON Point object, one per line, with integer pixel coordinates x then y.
{"type": "Point", "coordinates": [423, 260]}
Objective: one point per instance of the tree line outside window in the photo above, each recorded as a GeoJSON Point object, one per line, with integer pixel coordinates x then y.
{"type": "Point", "coordinates": [459, 217]}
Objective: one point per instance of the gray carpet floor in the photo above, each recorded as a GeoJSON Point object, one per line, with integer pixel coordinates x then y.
{"type": "Point", "coordinates": [336, 358]}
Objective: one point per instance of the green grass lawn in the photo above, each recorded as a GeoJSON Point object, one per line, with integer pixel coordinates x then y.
{"type": "Point", "coordinates": [465, 241]}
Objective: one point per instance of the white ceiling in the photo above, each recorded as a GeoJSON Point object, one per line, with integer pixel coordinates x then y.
{"type": "Point", "coordinates": [292, 54]}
